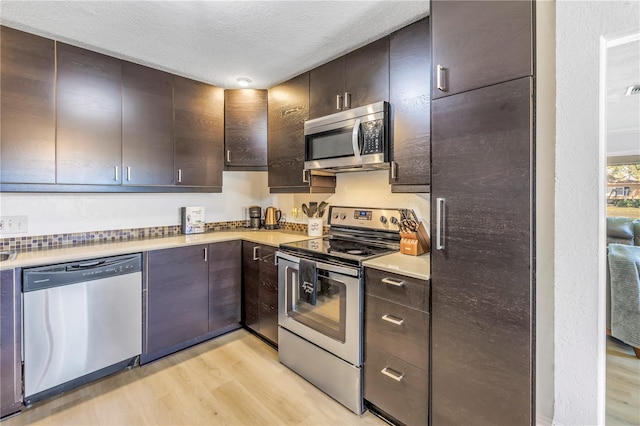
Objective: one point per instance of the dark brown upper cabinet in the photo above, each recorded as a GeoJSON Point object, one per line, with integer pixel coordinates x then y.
{"type": "Point", "coordinates": [245, 129]}
{"type": "Point", "coordinates": [288, 110]}
{"type": "Point", "coordinates": [477, 44]}
{"type": "Point", "coordinates": [410, 99]}
{"type": "Point", "coordinates": [89, 117]}
{"type": "Point", "coordinates": [27, 108]}
{"type": "Point", "coordinates": [359, 78]}
{"type": "Point", "coordinates": [199, 134]}
{"type": "Point", "coordinates": [147, 126]}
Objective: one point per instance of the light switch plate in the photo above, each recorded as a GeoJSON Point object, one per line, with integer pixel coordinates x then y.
{"type": "Point", "coordinates": [13, 225]}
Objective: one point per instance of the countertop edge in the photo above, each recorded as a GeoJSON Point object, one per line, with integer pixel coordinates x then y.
{"type": "Point", "coordinates": [88, 251]}
{"type": "Point", "coordinates": [402, 264]}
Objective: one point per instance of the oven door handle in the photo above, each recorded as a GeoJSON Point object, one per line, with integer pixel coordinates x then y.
{"type": "Point", "coordinates": [342, 270]}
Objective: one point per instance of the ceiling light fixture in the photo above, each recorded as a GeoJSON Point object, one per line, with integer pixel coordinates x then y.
{"type": "Point", "coordinates": [243, 81]}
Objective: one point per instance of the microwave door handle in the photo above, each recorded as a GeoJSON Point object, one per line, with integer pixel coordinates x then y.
{"type": "Point", "coordinates": [355, 140]}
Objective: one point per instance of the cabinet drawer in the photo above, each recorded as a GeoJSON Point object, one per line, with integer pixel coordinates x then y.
{"type": "Point", "coordinates": [398, 288]}
{"type": "Point", "coordinates": [401, 392]}
{"type": "Point", "coordinates": [397, 329]}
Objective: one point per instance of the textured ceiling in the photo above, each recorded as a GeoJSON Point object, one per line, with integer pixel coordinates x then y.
{"type": "Point", "coordinates": [623, 70]}
{"type": "Point", "coordinates": [623, 112]}
{"type": "Point", "coordinates": [216, 41]}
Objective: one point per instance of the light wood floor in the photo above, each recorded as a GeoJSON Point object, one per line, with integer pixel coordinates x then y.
{"type": "Point", "coordinates": [623, 384]}
{"type": "Point", "coordinates": [235, 379]}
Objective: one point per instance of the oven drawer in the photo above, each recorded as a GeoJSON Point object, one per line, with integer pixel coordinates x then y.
{"type": "Point", "coordinates": [398, 288]}
{"type": "Point", "coordinates": [396, 387]}
{"type": "Point", "coordinates": [397, 329]}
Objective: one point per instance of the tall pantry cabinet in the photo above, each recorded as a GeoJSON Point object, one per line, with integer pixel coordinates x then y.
{"type": "Point", "coordinates": [483, 349]}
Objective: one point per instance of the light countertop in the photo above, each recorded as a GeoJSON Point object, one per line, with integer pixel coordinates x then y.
{"type": "Point", "coordinates": [413, 266]}
{"type": "Point", "coordinates": [88, 251]}
{"type": "Point", "coordinates": [404, 264]}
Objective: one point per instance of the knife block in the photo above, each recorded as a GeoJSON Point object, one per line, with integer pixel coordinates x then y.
{"type": "Point", "coordinates": [415, 243]}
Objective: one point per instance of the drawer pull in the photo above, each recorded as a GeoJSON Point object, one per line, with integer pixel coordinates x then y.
{"type": "Point", "coordinates": [392, 373]}
{"type": "Point", "coordinates": [392, 319]}
{"type": "Point", "coordinates": [393, 282]}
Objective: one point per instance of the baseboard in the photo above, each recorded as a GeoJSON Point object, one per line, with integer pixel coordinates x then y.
{"type": "Point", "coordinates": [546, 421]}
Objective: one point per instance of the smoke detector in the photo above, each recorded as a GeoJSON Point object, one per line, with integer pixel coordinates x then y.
{"type": "Point", "coordinates": [633, 90]}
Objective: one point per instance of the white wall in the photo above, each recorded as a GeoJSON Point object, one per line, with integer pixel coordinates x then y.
{"type": "Point", "coordinates": [579, 234]}
{"type": "Point", "coordinates": [67, 213]}
{"type": "Point", "coordinates": [358, 189]}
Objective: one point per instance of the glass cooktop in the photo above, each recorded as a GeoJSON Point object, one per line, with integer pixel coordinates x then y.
{"type": "Point", "coordinates": [331, 247]}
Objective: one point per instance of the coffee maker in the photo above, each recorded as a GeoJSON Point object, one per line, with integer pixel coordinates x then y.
{"type": "Point", "coordinates": [255, 216]}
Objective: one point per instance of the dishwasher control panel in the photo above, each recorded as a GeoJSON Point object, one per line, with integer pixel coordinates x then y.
{"type": "Point", "coordinates": [43, 277]}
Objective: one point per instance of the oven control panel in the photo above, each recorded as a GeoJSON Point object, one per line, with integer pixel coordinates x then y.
{"type": "Point", "coordinates": [370, 218]}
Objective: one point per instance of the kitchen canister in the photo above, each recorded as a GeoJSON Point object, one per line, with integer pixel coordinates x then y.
{"type": "Point", "coordinates": [314, 227]}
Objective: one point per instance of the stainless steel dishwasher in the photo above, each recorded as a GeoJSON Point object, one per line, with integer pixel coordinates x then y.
{"type": "Point", "coordinates": [82, 321]}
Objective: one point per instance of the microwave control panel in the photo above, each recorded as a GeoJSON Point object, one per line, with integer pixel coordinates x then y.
{"type": "Point", "coordinates": [372, 132]}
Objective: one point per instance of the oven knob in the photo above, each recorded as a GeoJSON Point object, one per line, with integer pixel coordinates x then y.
{"type": "Point", "coordinates": [335, 216]}
{"type": "Point", "coordinates": [343, 216]}
{"type": "Point", "coordinates": [383, 219]}
{"type": "Point", "coordinates": [394, 220]}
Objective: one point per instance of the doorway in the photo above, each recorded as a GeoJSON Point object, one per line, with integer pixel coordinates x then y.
{"type": "Point", "coordinates": [620, 135]}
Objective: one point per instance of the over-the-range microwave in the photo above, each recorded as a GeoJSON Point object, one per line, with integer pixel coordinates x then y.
{"type": "Point", "coordinates": [352, 140]}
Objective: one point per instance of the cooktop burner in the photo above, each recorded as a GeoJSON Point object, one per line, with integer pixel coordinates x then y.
{"type": "Point", "coordinates": [356, 234]}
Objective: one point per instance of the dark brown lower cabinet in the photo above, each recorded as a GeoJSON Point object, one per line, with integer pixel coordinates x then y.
{"type": "Point", "coordinates": [481, 279]}
{"type": "Point", "coordinates": [260, 290]}
{"type": "Point", "coordinates": [10, 348]}
{"type": "Point", "coordinates": [177, 296]}
{"type": "Point", "coordinates": [192, 294]}
{"type": "Point", "coordinates": [396, 346]}
{"type": "Point", "coordinates": [225, 280]}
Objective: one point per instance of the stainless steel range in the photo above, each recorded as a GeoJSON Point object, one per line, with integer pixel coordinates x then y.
{"type": "Point", "coordinates": [321, 297]}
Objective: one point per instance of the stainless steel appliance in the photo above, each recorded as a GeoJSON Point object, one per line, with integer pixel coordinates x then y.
{"type": "Point", "coordinates": [272, 217]}
{"type": "Point", "coordinates": [82, 321]}
{"type": "Point", "coordinates": [351, 140]}
{"type": "Point", "coordinates": [255, 217]}
{"type": "Point", "coordinates": [320, 291]}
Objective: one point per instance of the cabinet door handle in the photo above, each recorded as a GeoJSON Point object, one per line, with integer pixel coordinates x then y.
{"type": "Point", "coordinates": [347, 100]}
{"type": "Point", "coordinates": [228, 156]}
{"type": "Point", "coordinates": [339, 102]}
{"type": "Point", "coordinates": [205, 254]}
{"type": "Point", "coordinates": [128, 173]}
{"type": "Point", "coordinates": [440, 78]}
{"type": "Point", "coordinates": [255, 253]}
{"type": "Point", "coordinates": [179, 175]}
{"type": "Point", "coordinates": [394, 170]}
{"type": "Point", "coordinates": [392, 319]}
{"type": "Point", "coordinates": [391, 281]}
{"type": "Point", "coordinates": [305, 179]}
{"type": "Point", "coordinates": [440, 223]}
{"type": "Point", "coordinates": [115, 173]}
{"type": "Point", "coordinates": [395, 375]}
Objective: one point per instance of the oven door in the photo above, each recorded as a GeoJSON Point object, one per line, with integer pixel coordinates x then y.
{"type": "Point", "coordinates": [333, 320]}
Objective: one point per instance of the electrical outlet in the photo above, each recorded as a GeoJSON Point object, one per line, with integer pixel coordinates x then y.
{"type": "Point", "coordinates": [13, 224]}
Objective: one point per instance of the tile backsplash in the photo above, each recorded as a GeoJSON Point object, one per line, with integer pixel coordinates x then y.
{"type": "Point", "coordinates": [44, 242]}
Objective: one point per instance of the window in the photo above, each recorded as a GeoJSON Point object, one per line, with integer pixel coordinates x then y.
{"type": "Point", "coordinates": [623, 190]}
